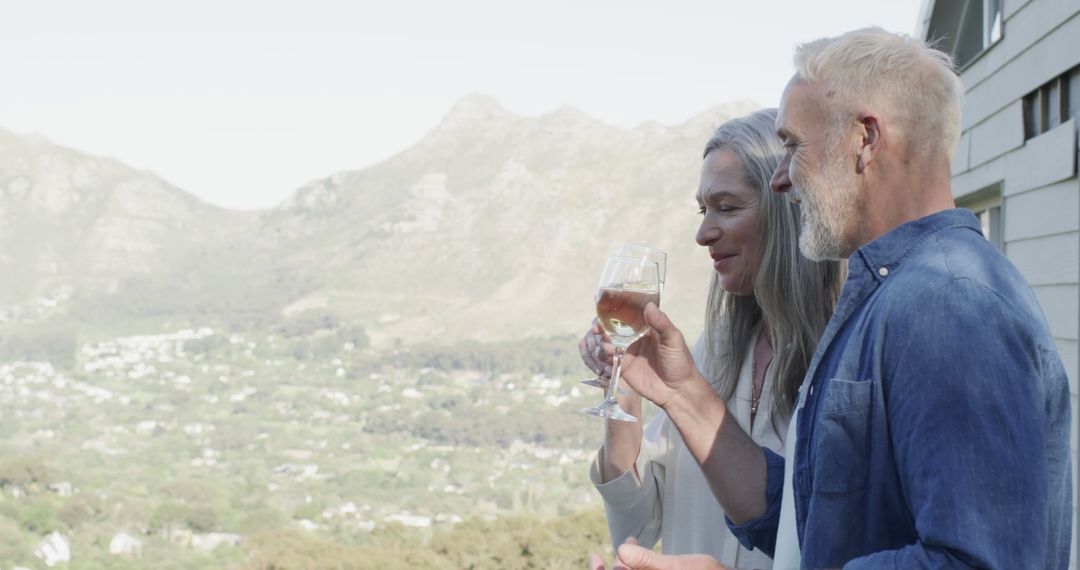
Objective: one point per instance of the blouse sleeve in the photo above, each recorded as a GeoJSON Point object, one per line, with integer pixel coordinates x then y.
{"type": "Point", "coordinates": [633, 505]}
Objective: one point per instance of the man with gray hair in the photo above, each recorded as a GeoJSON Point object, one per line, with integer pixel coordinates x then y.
{"type": "Point", "coordinates": [932, 428]}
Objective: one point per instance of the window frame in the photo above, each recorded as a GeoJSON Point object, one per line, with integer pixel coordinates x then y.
{"type": "Point", "coordinates": [988, 205]}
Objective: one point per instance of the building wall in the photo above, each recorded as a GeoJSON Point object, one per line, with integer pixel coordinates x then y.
{"type": "Point", "coordinates": [1037, 177]}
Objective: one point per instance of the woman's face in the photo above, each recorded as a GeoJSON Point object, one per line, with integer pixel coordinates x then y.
{"type": "Point", "coordinates": [731, 222]}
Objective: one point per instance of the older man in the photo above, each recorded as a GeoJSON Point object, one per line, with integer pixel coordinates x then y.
{"type": "Point", "coordinates": [932, 428]}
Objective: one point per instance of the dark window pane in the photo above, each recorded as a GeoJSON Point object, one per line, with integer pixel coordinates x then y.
{"type": "Point", "coordinates": [1053, 104]}
{"type": "Point", "coordinates": [1073, 98]}
{"type": "Point", "coordinates": [1044, 109]}
{"type": "Point", "coordinates": [970, 40]}
{"type": "Point", "coordinates": [1031, 115]}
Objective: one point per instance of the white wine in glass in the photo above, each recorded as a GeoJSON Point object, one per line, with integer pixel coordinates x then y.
{"type": "Point", "coordinates": [626, 286]}
{"type": "Point", "coordinates": [636, 251]}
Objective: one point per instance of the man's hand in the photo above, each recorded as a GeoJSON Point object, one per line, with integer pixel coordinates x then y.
{"type": "Point", "coordinates": [634, 557]}
{"type": "Point", "coordinates": [659, 365]}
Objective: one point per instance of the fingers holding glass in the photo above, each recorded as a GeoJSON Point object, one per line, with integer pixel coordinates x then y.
{"type": "Point", "coordinates": [597, 353]}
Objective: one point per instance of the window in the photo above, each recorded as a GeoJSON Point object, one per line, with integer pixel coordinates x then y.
{"type": "Point", "coordinates": [990, 219]}
{"type": "Point", "coordinates": [991, 22]}
{"type": "Point", "coordinates": [986, 205]}
{"type": "Point", "coordinates": [1073, 96]}
{"type": "Point", "coordinates": [965, 28]}
{"type": "Point", "coordinates": [1052, 104]}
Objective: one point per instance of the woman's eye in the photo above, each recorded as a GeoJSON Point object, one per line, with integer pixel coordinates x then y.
{"type": "Point", "coordinates": [701, 210]}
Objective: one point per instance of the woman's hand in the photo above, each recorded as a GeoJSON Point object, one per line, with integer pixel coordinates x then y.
{"type": "Point", "coordinates": [597, 352]}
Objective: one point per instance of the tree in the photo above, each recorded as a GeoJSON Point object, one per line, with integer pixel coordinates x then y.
{"type": "Point", "coordinates": [80, 509]}
{"type": "Point", "coordinates": [25, 472]}
{"type": "Point", "coordinates": [38, 516]}
{"type": "Point", "coordinates": [523, 542]}
{"type": "Point", "coordinates": [201, 518]}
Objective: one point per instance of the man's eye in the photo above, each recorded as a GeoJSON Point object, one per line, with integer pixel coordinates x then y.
{"type": "Point", "coordinates": [701, 210]}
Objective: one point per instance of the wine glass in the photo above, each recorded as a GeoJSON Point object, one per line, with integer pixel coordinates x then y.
{"type": "Point", "coordinates": [626, 286]}
{"type": "Point", "coordinates": [636, 251]}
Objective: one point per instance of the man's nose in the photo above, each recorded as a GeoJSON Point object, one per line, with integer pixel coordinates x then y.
{"type": "Point", "coordinates": [780, 182]}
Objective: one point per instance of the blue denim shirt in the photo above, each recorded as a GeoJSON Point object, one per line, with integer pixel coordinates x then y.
{"type": "Point", "coordinates": [934, 428]}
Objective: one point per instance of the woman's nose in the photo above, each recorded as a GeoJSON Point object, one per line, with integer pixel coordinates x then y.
{"type": "Point", "coordinates": [708, 232]}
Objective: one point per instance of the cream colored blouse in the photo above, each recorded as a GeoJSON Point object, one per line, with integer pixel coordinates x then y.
{"type": "Point", "coordinates": [672, 501]}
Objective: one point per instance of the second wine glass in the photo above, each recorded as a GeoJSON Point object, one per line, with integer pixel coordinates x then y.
{"type": "Point", "coordinates": [640, 251]}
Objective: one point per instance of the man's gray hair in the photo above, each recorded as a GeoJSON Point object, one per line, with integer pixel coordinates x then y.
{"type": "Point", "coordinates": [898, 74]}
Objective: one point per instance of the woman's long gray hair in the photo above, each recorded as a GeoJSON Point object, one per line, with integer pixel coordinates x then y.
{"type": "Point", "coordinates": [794, 295]}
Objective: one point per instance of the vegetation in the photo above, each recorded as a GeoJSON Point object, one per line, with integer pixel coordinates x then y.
{"type": "Point", "coordinates": [42, 342]}
{"type": "Point", "coordinates": [511, 543]}
{"type": "Point", "coordinates": [297, 445]}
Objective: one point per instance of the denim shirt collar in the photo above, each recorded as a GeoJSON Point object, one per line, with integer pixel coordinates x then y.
{"type": "Point", "coordinates": [886, 253]}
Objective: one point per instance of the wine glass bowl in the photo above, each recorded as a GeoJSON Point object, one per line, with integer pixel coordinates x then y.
{"type": "Point", "coordinates": [621, 310]}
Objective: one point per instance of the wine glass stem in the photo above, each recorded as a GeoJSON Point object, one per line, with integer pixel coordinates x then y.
{"type": "Point", "coordinates": [613, 386]}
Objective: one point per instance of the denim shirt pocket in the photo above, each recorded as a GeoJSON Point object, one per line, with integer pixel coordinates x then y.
{"type": "Point", "coordinates": [842, 454]}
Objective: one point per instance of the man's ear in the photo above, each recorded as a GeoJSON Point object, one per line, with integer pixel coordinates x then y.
{"type": "Point", "coordinates": [871, 141]}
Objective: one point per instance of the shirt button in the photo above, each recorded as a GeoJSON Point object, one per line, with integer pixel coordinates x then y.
{"type": "Point", "coordinates": [883, 271]}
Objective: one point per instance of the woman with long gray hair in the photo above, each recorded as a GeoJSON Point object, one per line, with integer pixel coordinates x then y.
{"type": "Point", "coordinates": [767, 308]}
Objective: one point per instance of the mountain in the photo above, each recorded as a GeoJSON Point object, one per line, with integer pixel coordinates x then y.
{"type": "Point", "coordinates": [494, 225]}
{"type": "Point", "coordinates": [71, 223]}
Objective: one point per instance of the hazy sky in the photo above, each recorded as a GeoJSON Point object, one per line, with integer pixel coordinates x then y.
{"type": "Point", "coordinates": [242, 102]}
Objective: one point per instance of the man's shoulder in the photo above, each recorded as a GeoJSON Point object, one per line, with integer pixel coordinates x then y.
{"type": "Point", "coordinates": [956, 274]}
{"type": "Point", "coordinates": [960, 261]}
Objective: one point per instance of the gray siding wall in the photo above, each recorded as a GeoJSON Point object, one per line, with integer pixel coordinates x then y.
{"type": "Point", "coordinates": [1040, 190]}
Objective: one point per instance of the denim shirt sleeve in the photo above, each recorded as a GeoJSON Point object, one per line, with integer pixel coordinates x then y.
{"type": "Point", "coordinates": [966, 413]}
{"type": "Point", "coordinates": [760, 533]}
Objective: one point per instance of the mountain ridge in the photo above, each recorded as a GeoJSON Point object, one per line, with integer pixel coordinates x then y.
{"type": "Point", "coordinates": [488, 219]}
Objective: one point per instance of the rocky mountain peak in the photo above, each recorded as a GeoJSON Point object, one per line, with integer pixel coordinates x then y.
{"type": "Point", "coordinates": [473, 110]}
{"type": "Point", "coordinates": [713, 116]}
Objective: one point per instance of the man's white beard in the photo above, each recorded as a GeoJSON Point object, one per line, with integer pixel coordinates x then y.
{"type": "Point", "coordinates": [829, 209]}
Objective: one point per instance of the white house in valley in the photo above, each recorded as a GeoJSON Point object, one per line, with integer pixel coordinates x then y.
{"type": "Point", "coordinates": [1016, 165]}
